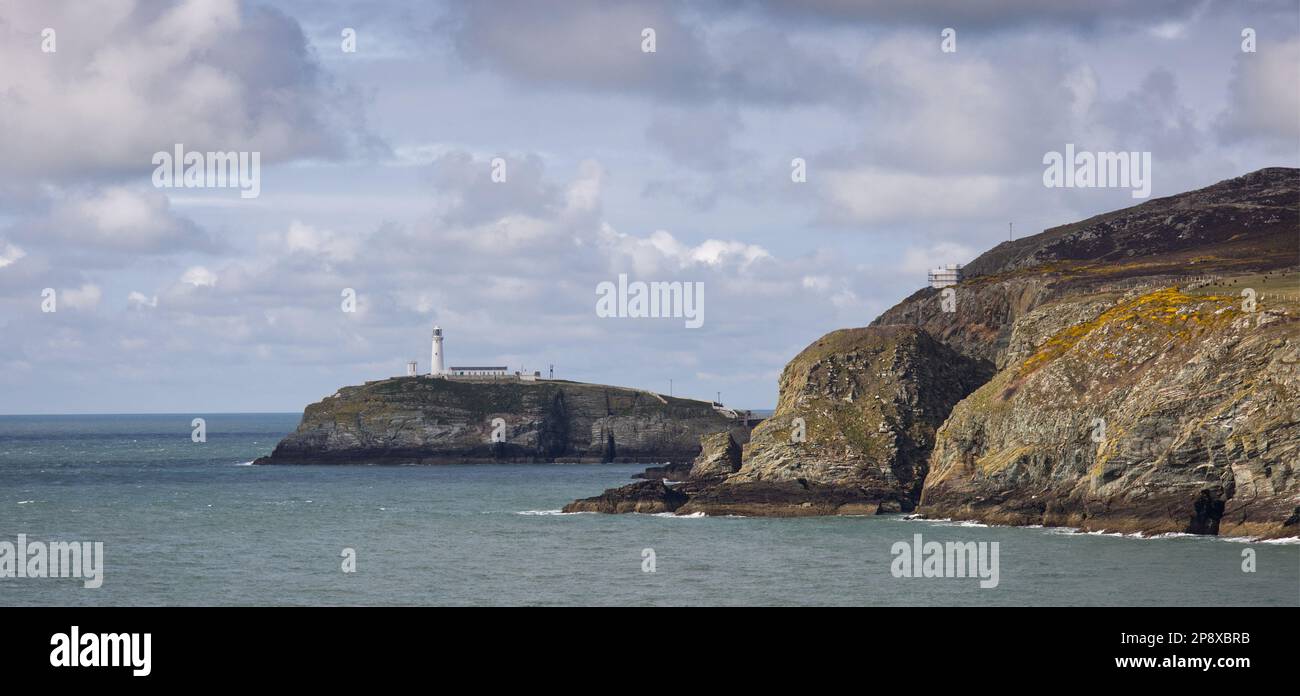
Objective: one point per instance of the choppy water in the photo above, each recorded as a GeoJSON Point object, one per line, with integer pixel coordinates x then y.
{"type": "Point", "coordinates": [184, 523]}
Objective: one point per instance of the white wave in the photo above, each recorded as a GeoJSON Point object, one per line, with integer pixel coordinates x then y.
{"type": "Point", "coordinates": [545, 513]}
{"type": "Point", "coordinates": [692, 516]}
{"type": "Point", "coordinates": [1257, 540]}
{"type": "Point", "coordinates": [24, 502]}
{"type": "Point", "coordinates": [248, 463]}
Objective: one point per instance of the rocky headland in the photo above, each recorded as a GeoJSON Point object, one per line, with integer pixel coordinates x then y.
{"type": "Point", "coordinates": [1132, 372]}
{"type": "Point", "coordinates": [428, 420]}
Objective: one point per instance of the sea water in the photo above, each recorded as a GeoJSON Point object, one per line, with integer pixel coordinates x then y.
{"type": "Point", "coordinates": [193, 523]}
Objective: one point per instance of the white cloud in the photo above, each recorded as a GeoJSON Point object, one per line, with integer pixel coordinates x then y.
{"type": "Point", "coordinates": [820, 283]}
{"type": "Point", "coordinates": [9, 254]}
{"type": "Point", "coordinates": [307, 239]}
{"type": "Point", "coordinates": [198, 276]}
{"type": "Point", "coordinates": [139, 300]}
{"type": "Point", "coordinates": [918, 261]}
{"type": "Point", "coordinates": [662, 252]}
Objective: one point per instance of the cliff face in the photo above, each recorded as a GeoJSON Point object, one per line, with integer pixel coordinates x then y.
{"type": "Point", "coordinates": [421, 420]}
{"type": "Point", "coordinates": [1169, 411]}
{"type": "Point", "coordinates": [1138, 390]}
{"type": "Point", "coordinates": [1124, 383]}
{"type": "Point", "coordinates": [860, 407]}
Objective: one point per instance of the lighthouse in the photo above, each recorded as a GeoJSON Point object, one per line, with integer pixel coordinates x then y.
{"type": "Point", "coordinates": [436, 365]}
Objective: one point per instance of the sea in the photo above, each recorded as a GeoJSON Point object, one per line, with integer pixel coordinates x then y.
{"type": "Point", "coordinates": [194, 523]}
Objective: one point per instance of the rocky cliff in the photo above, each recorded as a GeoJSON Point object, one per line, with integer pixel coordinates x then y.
{"type": "Point", "coordinates": [859, 408]}
{"type": "Point", "coordinates": [851, 433]}
{"type": "Point", "coordinates": [1169, 411]}
{"type": "Point", "coordinates": [1135, 371]}
{"type": "Point", "coordinates": [422, 420]}
{"type": "Point", "coordinates": [1147, 378]}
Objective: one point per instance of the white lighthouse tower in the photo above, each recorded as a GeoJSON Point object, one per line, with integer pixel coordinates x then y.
{"type": "Point", "coordinates": [436, 365]}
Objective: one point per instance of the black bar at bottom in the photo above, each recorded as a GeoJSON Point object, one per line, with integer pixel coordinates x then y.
{"type": "Point", "coordinates": [241, 646]}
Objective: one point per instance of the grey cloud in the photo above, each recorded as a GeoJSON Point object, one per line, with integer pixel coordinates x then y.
{"type": "Point", "coordinates": [699, 138]}
{"type": "Point", "coordinates": [470, 196]}
{"type": "Point", "coordinates": [597, 46]}
{"type": "Point", "coordinates": [1264, 104]}
{"type": "Point", "coordinates": [586, 43]}
{"type": "Point", "coordinates": [991, 14]}
{"type": "Point", "coordinates": [129, 80]}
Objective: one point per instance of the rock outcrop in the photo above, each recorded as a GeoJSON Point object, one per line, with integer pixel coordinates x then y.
{"type": "Point", "coordinates": [859, 407]}
{"type": "Point", "coordinates": [645, 497]}
{"type": "Point", "coordinates": [424, 420]}
{"type": "Point", "coordinates": [719, 457]}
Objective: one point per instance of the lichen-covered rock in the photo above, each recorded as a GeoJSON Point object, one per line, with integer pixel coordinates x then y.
{"type": "Point", "coordinates": [859, 408]}
{"type": "Point", "coordinates": [719, 457]}
{"type": "Point", "coordinates": [424, 420]}
{"type": "Point", "coordinates": [1171, 411]}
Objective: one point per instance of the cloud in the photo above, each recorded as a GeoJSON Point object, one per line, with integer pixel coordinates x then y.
{"type": "Point", "coordinates": [1004, 15]}
{"type": "Point", "coordinates": [666, 166]}
{"type": "Point", "coordinates": [597, 46]}
{"type": "Point", "coordinates": [468, 194]}
{"type": "Point", "coordinates": [198, 276]}
{"type": "Point", "coordinates": [1264, 102]}
{"type": "Point", "coordinates": [129, 79]}
{"type": "Point", "coordinates": [85, 297]}
{"type": "Point", "coordinates": [699, 138]}
{"type": "Point", "coordinates": [874, 195]}
{"type": "Point", "coordinates": [661, 252]}
{"type": "Point", "coordinates": [584, 43]}
{"type": "Point", "coordinates": [10, 254]}
{"type": "Point", "coordinates": [302, 238]}
{"type": "Point", "coordinates": [139, 300]}
{"type": "Point", "coordinates": [918, 261]}
{"type": "Point", "coordinates": [119, 219]}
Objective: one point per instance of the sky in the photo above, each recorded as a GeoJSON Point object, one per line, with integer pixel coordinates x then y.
{"type": "Point", "coordinates": [673, 165]}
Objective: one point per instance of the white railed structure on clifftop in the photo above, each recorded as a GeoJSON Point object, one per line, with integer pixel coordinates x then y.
{"type": "Point", "coordinates": [946, 276]}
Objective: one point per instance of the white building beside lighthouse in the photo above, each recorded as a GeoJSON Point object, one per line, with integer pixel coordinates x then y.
{"type": "Point", "coordinates": [436, 366]}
